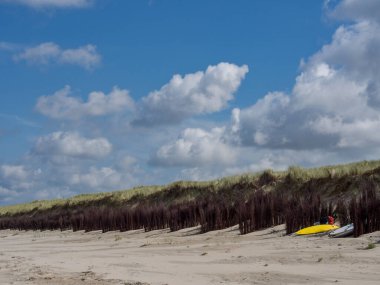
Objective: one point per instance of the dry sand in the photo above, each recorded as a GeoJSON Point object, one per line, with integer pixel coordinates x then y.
{"type": "Point", "coordinates": [185, 257]}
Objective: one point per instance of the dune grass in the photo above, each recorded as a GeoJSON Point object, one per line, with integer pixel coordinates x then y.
{"type": "Point", "coordinates": [333, 171]}
{"type": "Point", "coordinates": [293, 172]}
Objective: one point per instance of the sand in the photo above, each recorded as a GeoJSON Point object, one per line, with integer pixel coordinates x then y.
{"type": "Point", "coordinates": [185, 257]}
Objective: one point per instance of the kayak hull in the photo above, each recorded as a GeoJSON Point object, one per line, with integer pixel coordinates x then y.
{"type": "Point", "coordinates": [343, 231]}
{"type": "Point", "coordinates": [317, 229]}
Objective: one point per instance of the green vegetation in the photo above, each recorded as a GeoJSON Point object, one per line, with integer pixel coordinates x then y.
{"type": "Point", "coordinates": [117, 238]}
{"type": "Point", "coordinates": [330, 180]}
{"type": "Point", "coordinates": [297, 197]}
{"type": "Point", "coordinates": [335, 171]}
{"type": "Point", "coordinates": [370, 246]}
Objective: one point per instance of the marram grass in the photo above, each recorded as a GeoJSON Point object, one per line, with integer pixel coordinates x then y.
{"type": "Point", "coordinates": [294, 172]}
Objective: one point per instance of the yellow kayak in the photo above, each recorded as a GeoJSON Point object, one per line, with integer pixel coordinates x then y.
{"type": "Point", "coordinates": [317, 229]}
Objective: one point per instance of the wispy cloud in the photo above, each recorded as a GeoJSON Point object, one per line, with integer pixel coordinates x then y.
{"type": "Point", "coordinates": [7, 46]}
{"type": "Point", "coordinates": [51, 3]}
{"type": "Point", "coordinates": [51, 53]}
{"type": "Point", "coordinates": [19, 120]}
{"type": "Point", "coordinates": [331, 115]}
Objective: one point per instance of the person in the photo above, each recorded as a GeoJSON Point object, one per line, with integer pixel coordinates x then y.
{"type": "Point", "coordinates": [331, 220]}
{"type": "Point", "coordinates": [323, 220]}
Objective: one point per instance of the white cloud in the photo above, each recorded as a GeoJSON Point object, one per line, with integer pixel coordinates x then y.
{"type": "Point", "coordinates": [334, 104]}
{"type": "Point", "coordinates": [258, 124]}
{"type": "Point", "coordinates": [259, 159]}
{"type": "Point", "coordinates": [42, 54]}
{"type": "Point", "coordinates": [104, 177]}
{"type": "Point", "coordinates": [46, 179]}
{"type": "Point", "coordinates": [85, 56]}
{"type": "Point", "coordinates": [14, 119]}
{"type": "Point", "coordinates": [254, 159]}
{"type": "Point", "coordinates": [7, 46]}
{"type": "Point", "coordinates": [330, 116]}
{"type": "Point", "coordinates": [335, 93]}
{"type": "Point", "coordinates": [260, 138]}
{"type": "Point", "coordinates": [198, 174]}
{"type": "Point", "coordinates": [51, 53]}
{"type": "Point", "coordinates": [72, 144]}
{"type": "Point", "coordinates": [193, 94]}
{"type": "Point", "coordinates": [127, 162]}
{"type": "Point", "coordinates": [196, 147]}
{"type": "Point", "coordinates": [4, 192]}
{"type": "Point", "coordinates": [358, 133]}
{"type": "Point", "coordinates": [62, 106]}
{"type": "Point", "coordinates": [7, 195]}
{"type": "Point", "coordinates": [333, 109]}
{"type": "Point", "coordinates": [51, 3]}
{"type": "Point", "coordinates": [356, 10]}
{"type": "Point", "coordinates": [15, 179]}
{"type": "Point", "coordinates": [13, 172]}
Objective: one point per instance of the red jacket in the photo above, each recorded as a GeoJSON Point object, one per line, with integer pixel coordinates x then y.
{"type": "Point", "coordinates": [331, 220]}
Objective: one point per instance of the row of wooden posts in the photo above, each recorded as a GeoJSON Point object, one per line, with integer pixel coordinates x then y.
{"type": "Point", "coordinates": [261, 210]}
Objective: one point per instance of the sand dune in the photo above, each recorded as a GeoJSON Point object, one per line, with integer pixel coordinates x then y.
{"type": "Point", "coordinates": [185, 257]}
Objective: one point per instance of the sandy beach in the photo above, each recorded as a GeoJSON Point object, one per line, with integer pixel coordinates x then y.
{"type": "Point", "coordinates": [185, 257]}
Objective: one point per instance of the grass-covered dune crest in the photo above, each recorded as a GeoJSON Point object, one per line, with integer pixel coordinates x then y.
{"type": "Point", "coordinates": [329, 181]}
{"type": "Point", "coordinates": [297, 197]}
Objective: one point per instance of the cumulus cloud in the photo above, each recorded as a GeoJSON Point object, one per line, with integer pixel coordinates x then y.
{"type": "Point", "coordinates": [127, 163]}
{"type": "Point", "coordinates": [333, 108]}
{"type": "Point", "coordinates": [41, 178]}
{"type": "Point", "coordinates": [334, 103]}
{"type": "Point", "coordinates": [71, 144]}
{"type": "Point", "coordinates": [14, 179]}
{"type": "Point", "coordinates": [51, 3]}
{"type": "Point", "coordinates": [357, 133]}
{"type": "Point", "coordinates": [196, 147]}
{"type": "Point", "coordinates": [13, 172]}
{"type": "Point", "coordinates": [198, 174]}
{"type": "Point", "coordinates": [331, 115]}
{"type": "Point", "coordinates": [254, 159]}
{"type": "Point", "coordinates": [197, 93]}
{"type": "Point", "coordinates": [51, 53]}
{"type": "Point", "coordinates": [105, 177]}
{"type": "Point", "coordinates": [7, 195]}
{"type": "Point", "coordinates": [356, 10]}
{"type": "Point", "coordinates": [61, 105]}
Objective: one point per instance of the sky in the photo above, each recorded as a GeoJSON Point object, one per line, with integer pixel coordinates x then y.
{"type": "Point", "coordinates": [104, 95]}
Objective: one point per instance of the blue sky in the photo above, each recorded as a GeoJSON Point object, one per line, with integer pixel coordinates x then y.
{"type": "Point", "coordinates": [103, 95]}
